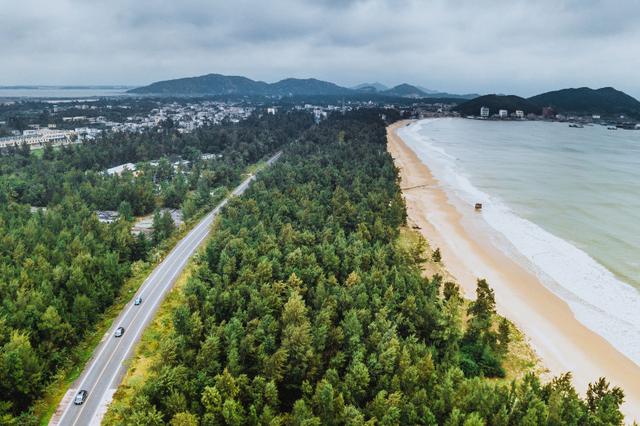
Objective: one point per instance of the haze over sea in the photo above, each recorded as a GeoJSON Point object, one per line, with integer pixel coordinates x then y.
{"type": "Point", "coordinates": [61, 91]}
{"type": "Point", "coordinates": [564, 201]}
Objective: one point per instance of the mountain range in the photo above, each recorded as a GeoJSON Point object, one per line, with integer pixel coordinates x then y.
{"type": "Point", "coordinates": [605, 101]}
{"type": "Point", "coordinates": [583, 100]}
{"type": "Point", "coordinates": [217, 84]}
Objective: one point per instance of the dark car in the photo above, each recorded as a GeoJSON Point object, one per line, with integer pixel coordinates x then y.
{"type": "Point", "coordinates": [137, 301]}
{"type": "Point", "coordinates": [80, 397]}
{"type": "Point", "coordinates": [119, 331]}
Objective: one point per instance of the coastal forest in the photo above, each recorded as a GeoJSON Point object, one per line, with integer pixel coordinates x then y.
{"type": "Point", "coordinates": [61, 268]}
{"type": "Point", "coordinates": [305, 309]}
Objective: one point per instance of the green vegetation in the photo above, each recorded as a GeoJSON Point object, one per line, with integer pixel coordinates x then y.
{"type": "Point", "coordinates": [606, 101]}
{"type": "Point", "coordinates": [309, 306]}
{"type": "Point", "coordinates": [61, 269]}
{"type": "Point", "coordinates": [436, 256]}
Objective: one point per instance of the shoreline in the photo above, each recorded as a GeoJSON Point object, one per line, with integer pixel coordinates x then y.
{"type": "Point", "coordinates": [560, 340]}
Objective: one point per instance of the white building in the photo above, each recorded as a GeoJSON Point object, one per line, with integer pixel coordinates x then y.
{"type": "Point", "coordinates": [503, 113]}
{"type": "Point", "coordinates": [519, 114]}
{"type": "Point", "coordinates": [118, 170]}
{"type": "Point", "coordinates": [484, 112]}
{"type": "Point", "coordinates": [37, 138]}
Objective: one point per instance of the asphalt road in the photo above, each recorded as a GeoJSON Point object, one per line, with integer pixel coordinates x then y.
{"type": "Point", "coordinates": [104, 372]}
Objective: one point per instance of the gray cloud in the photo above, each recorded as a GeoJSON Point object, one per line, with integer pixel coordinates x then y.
{"type": "Point", "coordinates": [518, 46]}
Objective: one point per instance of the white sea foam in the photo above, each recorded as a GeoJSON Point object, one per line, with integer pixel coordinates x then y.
{"type": "Point", "coordinates": [596, 296]}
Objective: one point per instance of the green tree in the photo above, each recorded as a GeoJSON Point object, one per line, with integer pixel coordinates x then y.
{"type": "Point", "coordinates": [163, 226]}
{"type": "Point", "coordinates": [125, 210]}
{"type": "Point", "coordinates": [20, 369]}
{"type": "Point", "coordinates": [184, 419]}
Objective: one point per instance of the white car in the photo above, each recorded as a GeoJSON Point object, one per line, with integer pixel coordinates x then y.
{"type": "Point", "coordinates": [80, 397]}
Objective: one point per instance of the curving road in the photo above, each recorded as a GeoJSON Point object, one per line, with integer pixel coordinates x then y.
{"type": "Point", "coordinates": [105, 370]}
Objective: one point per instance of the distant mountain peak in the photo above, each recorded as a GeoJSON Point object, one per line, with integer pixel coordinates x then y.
{"type": "Point", "coordinates": [405, 90]}
{"type": "Point", "coordinates": [373, 87]}
{"type": "Point", "coordinates": [217, 84]}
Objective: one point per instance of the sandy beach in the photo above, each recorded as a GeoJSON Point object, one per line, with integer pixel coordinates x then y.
{"type": "Point", "coordinates": [561, 341]}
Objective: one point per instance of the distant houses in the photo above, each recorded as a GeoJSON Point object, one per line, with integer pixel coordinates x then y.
{"type": "Point", "coordinates": [38, 138]}
{"type": "Point", "coordinates": [484, 112]}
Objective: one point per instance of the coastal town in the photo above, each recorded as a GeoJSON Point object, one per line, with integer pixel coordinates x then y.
{"type": "Point", "coordinates": [68, 121]}
{"type": "Point", "coordinates": [185, 117]}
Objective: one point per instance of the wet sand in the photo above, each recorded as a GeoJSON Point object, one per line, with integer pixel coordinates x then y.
{"type": "Point", "coordinates": [561, 341]}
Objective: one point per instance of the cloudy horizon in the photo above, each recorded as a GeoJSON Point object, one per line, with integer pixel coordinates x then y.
{"type": "Point", "coordinates": [515, 47]}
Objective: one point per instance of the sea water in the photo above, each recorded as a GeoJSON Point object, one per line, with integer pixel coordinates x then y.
{"type": "Point", "coordinates": [566, 200]}
{"type": "Point", "coordinates": [59, 92]}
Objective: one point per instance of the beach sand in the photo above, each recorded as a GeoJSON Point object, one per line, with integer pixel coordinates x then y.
{"type": "Point", "coordinates": [563, 343]}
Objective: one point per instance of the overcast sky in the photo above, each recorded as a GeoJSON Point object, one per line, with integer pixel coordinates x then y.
{"type": "Point", "coordinates": [521, 47]}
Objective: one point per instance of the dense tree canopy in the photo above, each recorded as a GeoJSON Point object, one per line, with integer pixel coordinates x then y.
{"type": "Point", "coordinates": [305, 310]}
{"type": "Point", "coordinates": [60, 268]}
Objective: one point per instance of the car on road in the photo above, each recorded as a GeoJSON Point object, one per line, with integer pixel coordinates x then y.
{"type": "Point", "coordinates": [80, 397]}
{"type": "Point", "coordinates": [119, 331]}
{"type": "Point", "coordinates": [137, 301]}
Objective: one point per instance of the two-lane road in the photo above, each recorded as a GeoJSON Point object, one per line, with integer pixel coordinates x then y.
{"type": "Point", "coordinates": [103, 373]}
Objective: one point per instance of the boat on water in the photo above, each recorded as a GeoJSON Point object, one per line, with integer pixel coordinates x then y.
{"type": "Point", "coordinates": [612, 128]}
{"type": "Point", "coordinates": [576, 125]}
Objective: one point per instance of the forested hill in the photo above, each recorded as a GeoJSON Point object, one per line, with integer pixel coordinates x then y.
{"type": "Point", "coordinates": [223, 85]}
{"type": "Point", "coordinates": [306, 310]}
{"type": "Point", "coordinates": [217, 84]}
{"type": "Point", "coordinates": [497, 102]}
{"type": "Point", "coordinates": [605, 101]}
